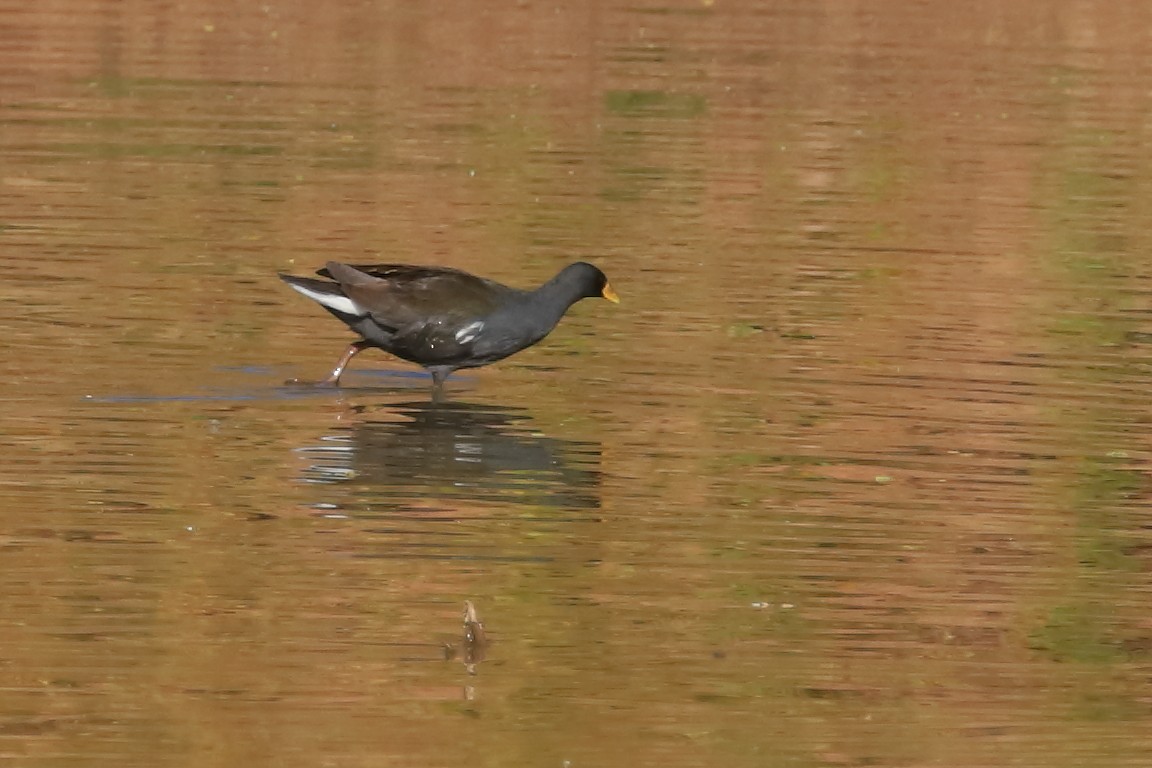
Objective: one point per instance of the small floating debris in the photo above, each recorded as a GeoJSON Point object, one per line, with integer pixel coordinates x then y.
{"type": "Point", "coordinates": [474, 645]}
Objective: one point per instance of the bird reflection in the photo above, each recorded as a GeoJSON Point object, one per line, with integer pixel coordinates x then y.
{"type": "Point", "coordinates": [459, 451]}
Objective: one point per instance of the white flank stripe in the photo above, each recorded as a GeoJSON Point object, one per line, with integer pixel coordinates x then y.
{"type": "Point", "coordinates": [335, 301]}
{"type": "Point", "coordinates": [469, 332]}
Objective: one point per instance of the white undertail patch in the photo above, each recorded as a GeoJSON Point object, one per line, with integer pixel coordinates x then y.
{"type": "Point", "coordinates": [469, 332]}
{"type": "Point", "coordinates": [334, 301]}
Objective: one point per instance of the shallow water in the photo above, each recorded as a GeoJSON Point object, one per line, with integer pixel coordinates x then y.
{"type": "Point", "coordinates": [856, 474]}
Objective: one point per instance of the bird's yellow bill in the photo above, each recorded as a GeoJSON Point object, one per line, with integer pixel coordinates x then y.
{"type": "Point", "coordinates": [610, 294]}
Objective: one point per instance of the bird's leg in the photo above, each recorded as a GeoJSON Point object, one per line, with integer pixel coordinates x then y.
{"type": "Point", "coordinates": [354, 349]}
{"type": "Point", "coordinates": [438, 376]}
{"type": "Point", "coordinates": [333, 379]}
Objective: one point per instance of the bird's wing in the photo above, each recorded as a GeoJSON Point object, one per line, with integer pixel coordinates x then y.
{"type": "Point", "coordinates": [401, 296]}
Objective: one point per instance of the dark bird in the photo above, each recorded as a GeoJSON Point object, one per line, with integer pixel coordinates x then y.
{"type": "Point", "coordinates": [441, 318]}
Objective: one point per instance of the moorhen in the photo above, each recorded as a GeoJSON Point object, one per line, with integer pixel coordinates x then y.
{"type": "Point", "coordinates": [442, 318]}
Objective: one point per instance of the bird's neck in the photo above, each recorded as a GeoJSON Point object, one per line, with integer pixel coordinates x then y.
{"type": "Point", "coordinates": [550, 301]}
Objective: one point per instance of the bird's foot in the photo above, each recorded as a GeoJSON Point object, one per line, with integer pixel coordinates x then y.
{"type": "Point", "coordinates": [325, 384]}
